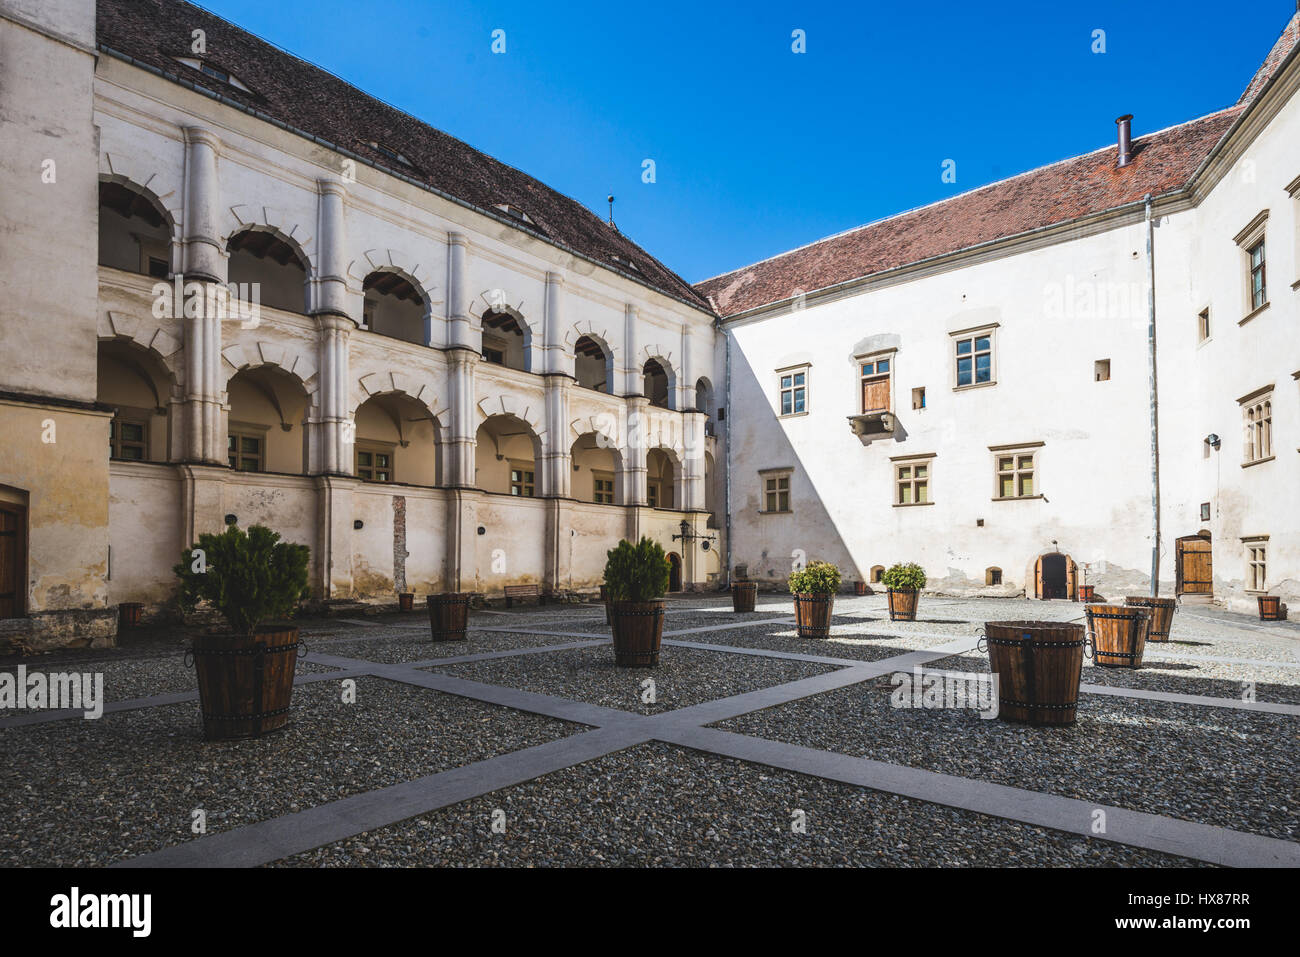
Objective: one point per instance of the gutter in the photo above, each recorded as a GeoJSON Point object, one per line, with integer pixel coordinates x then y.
{"type": "Point", "coordinates": [726, 491]}
{"type": "Point", "coordinates": [1155, 401]}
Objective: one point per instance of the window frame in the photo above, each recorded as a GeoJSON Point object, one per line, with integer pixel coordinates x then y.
{"type": "Point", "coordinates": [874, 359]}
{"type": "Point", "coordinates": [1257, 427]}
{"type": "Point", "coordinates": [127, 416]}
{"type": "Point", "coordinates": [530, 484]}
{"type": "Point", "coordinates": [240, 431]}
{"type": "Point", "coordinates": [596, 492]}
{"type": "Point", "coordinates": [912, 463]}
{"type": "Point", "coordinates": [1256, 561]}
{"type": "Point", "coordinates": [973, 335]}
{"type": "Point", "coordinates": [1251, 238]}
{"type": "Point", "coordinates": [776, 477]}
{"type": "Point", "coordinates": [1016, 453]}
{"type": "Point", "coordinates": [792, 372]}
{"type": "Point", "coordinates": [373, 449]}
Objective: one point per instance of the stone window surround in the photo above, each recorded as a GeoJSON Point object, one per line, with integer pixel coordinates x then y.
{"type": "Point", "coordinates": [875, 355]}
{"type": "Point", "coordinates": [1249, 237]}
{"type": "Point", "coordinates": [1252, 544]}
{"type": "Point", "coordinates": [920, 458]}
{"type": "Point", "coordinates": [381, 448]}
{"type": "Point", "coordinates": [806, 369]}
{"type": "Point", "coordinates": [764, 475]}
{"type": "Point", "coordinates": [1017, 449]}
{"type": "Point", "coordinates": [1256, 400]}
{"type": "Point", "coordinates": [973, 332]}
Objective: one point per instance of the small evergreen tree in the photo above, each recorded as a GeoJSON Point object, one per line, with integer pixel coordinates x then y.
{"type": "Point", "coordinates": [249, 577]}
{"type": "Point", "coordinates": [816, 578]}
{"type": "Point", "coordinates": [636, 572]}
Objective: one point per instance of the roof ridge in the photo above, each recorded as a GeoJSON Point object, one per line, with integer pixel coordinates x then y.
{"type": "Point", "coordinates": [970, 192]}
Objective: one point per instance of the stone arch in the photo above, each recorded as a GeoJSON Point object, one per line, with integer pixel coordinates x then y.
{"type": "Point", "coordinates": [599, 425]}
{"type": "Point", "coordinates": [497, 300]}
{"type": "Point", "coordinates": [299, 365]}
{"type": "Point", "coordinates": [664, 357]}
{"type": "Point", "coordinates": [147, 334]}
{"type": "Point", "coordinates": [115, 168]}
{"type": "Point", "coordinates": [1034, 583]}
{"type": "Point", "coordinates": [269, 219]}
{"type": "Point", "coordinates": [393, 382]}
{"type": "Point", "coordinates": [600, 335]}
{"type": "Point", "coordinates": [525, 411]}
{"type": "Point", "coordinates": [401, 264]}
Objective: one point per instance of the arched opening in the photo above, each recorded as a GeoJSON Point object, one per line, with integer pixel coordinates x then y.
{"type": "Point", "coordinates": [655, 383]}
{"type": "Point", "coordinates": [396, 440]}
{"type": "Point", "coordinates": [1055, 577]}
{"type": "Point", "coordinates": [506, 340]}
{"type": "Point", "coordinates": [13, 552]}
{"type": "Point", "coordinates": [135, 232]}
{"type": "Point", "coordinates": [593, 367]}
{"type": "Point", "coordinates": [993, 576]}
{"type": "Point", "coordinates": [877, 574]}
{"type": "Point", "coordinates": [270, 264]}
{"type": "Point", "coordinates": [704, 400]}
{"type": "Point", "coordinates": [394, 307]}
{"type": "Point", "coordinates": [710, 494]}
{"type": "Point", "coordinates": [137, 385]}
{"type": "Point", "coordinates": [661, 478]}
{"type": "Point", "coordinates": [264, 430]}
{"type": "Point", "coordinates": [674, 572]}
{"type": "Point", "coordinates": [597, 474]}
{"type": "Point", "coordinates": [505, 457]}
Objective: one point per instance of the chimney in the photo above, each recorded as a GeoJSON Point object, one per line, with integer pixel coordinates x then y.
{"type": "Point", "coordinates": [1125, 124]}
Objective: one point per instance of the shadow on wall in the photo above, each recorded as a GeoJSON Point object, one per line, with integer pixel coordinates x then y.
{"type": "Point", "coordinates": [768, 542]}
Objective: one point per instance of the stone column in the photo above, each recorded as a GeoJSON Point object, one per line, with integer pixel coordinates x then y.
{"type": "Point", "coordinates": [692, 484]}
{"type": "Point", "coordinates": [632, 381]}
{"type": "Point", "coordinates": [331, 432]}
{"type": "Point", "coordinates": [460, 324]}
{"type": "Point", "coordinates": [331, 294]}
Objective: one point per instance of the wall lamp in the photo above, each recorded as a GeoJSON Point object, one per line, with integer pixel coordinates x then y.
{"type": "Point", "coordinates": [1213, 440]}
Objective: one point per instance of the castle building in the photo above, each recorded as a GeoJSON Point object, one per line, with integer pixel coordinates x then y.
{"type": "Point", "coordinates": [239, 290]}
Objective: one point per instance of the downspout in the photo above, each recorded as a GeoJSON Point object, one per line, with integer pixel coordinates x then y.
{"type": "Point", "coordinates": [726, 487]}
{"type": "Point", "coordinates": [1155, 407]}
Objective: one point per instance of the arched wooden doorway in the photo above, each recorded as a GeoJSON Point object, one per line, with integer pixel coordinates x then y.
{"type": "Point", "coordinates": [1194, 565]}
{"type": "Point", "coordinates": [674, 572]}
{"type": "Point", "coordinates": [1056, 576]}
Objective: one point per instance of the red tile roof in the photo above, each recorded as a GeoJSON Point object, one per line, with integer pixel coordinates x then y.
{"type": "Point", "coordinates": [1285, 44]}
{"type": "Point", "coordinates": [1059, 193]}
{"type": "Point", "coordinates": [306, 97]}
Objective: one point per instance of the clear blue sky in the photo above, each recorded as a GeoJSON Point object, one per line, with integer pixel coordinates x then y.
{"type": "Point", "coordinates": [759, 149]}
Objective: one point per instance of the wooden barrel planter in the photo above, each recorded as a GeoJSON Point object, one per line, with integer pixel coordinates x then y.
{"type": "Point", "coordinates": [128, 614]}
{"type": "Point", "coordinates": [812, 615]}
{"type": "Point", "coordinates": [1086, 593]}
{"type": "Point", "coordinates": [604, 600]}
{"type": "Point", "coordinates": [406, 601]}
{"type": "Point", "coordinates": [638, 628]}
{"type": "Point", "coordinates": [743, 595]}
{"type": "Point", "coordinates": [902, 604]}
{"type": "Point", "coordinates": [1119, 634]}
{"type": "Point", "coordinates": [859, 587]}
{"type": "Point", "coordinates": [1270, 608]}
{"type": "Point", "coordinates": [1162, 614]}
{"type": "Point", "coordinates": [245, 684]}
{"type": "Point", "coordinates": [1038, 664]}
{"type": "Point", "coordinates": [448, 616]}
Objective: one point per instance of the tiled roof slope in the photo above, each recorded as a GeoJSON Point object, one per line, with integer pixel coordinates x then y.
{"type": "Point", "coordinates": [1044, 197]}
{"type": "Point", "coordinates": [1055, 194]}
{"type": "Point", "coordinates": [304, 96]}
{"type": "Point", "coordinates": [1285, 44]}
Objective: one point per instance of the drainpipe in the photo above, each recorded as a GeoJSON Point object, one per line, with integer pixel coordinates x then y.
{"type": "Point", "coordinates": [726, 493]}
{"type": "Point", "coordinates": [1155, 410]}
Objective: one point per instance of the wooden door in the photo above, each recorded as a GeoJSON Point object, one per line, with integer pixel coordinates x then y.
{"type": "Point", "coordinates": [1195, 566]}
{"type": "Point", "coordinates": [1071, 579]}
{"type": "Point", "coordinates": [13, 559]}
{"type": "Point", "coordinates": [1038, 578]}
{"type": "Point", "coordinates": [674, 572]}
{"type": "Point", "coordinates": [875, 394]}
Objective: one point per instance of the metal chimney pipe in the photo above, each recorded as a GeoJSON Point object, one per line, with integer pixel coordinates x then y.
{"type": "Point", "coordinates": [1125, 124]}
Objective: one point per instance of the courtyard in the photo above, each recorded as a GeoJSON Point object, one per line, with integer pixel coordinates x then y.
{"type": "Point", "coordinates": [747, 746]}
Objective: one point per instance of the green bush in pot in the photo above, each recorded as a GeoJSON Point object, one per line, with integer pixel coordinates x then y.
{"type": "Point", "coordinates": [905, 576]}
{"type": "Point", "coordinates": [815, 578]}
{"type": "Point", "coordinates": [636, 578]}
{"type": "Point", "coordinates": [814, 587]}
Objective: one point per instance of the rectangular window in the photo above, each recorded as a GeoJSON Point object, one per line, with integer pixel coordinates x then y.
{"type": "Point", "coordinates": [603, 486]}
{"type": "Point", "coordinates": [128, 439]}
{"type": "Point", "coordinates": [776, 493]}
{"type": "Point", "coordinates": [1256, 565]}
{"type": "Point", "coordinates": [245, 453]}
{"type": "Point", "coordinates": [1258, 425]}
{"type": "Point", "coordinates": [521, 482]}
{"type": "Point", "coordinates": [1014, 475]}
{"type": "Point", "coordinates": [875, 378]}
{"type": "Point", "coordinates": [157, 267]}
{"type": "Point", "coordinates": [374, 466]}
{"type": "Point", "coordinates": [1258, 280]}
{"type": "Point", "coordinates": [1203, 326]}
{"type": "Point", "coordinates": [974, 359]}
{"type": "Point", "coordinates": [1101, 370]}
{"type": "Point", "coordinates": [918, 398]}
{"type": "Point", "coordinates": [912, 483]}
{"type": "Point", "coordinates": [794, 392]}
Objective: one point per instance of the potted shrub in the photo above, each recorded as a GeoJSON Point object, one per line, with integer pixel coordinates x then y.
{"type": "Point", "coordinates": [636, 577]}
{"type": "Point", "coordinates": [814, 587]}
{"type": "Point", "coordinates": [904, 582]}
{"type": "Point", "coordinates": [245, 675]}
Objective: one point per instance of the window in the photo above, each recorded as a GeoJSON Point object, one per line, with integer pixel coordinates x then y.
{"type": "Point", "coordinates": [603, 486]}
{"type": "Point", "coordinates": [1203, 326]}
{"type": "Point", "coordinates": [1257, 422]}
{"type": "Point", "coordinates": [1015, 469]}
{"type": "Point", "coordinates": [992, 576]}
{"type": "Point", "coordinates": [244, 452]}
{"type": "Point", "coordinates": [794, 392]}
{"type": "Point", "coordinates": [877, 574]}
{"type": "Point", "coordinates": [1258, 279]}
{"type": "Point", "coordinates": [157, 267]}
{"type": "Point", "coordinates": [521, 481]}
{"type": "Point", "coordinates": [776, 492]}
{"type": "Point", "coordinates": [494, 350]}
{"type": "Point", "coordinates": [875, 383]}
{"type": "Point", "coordinates": [973, 354]}
{"type": "Point", "coordinates": [514, 212]}
{"type": "Point", "coordinates": [128, 439]}
{"type": "Point", "coordinates": [1101, 370]}
{"type": "Point", "coordinates": [1256, 564]}
{"type": "Point", "coordinates": [374, 465]}
{"type": "Point", "coordinates": [918, 398]}
{"type": "Point", "coordinates": [912, 480]}
{"type": "Point", "coordinates": [1205, 511]}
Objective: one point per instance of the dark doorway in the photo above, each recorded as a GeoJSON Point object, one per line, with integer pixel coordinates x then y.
{"type": "Point", "coordinates": [674, 572]}
{"type": "Point", "coordinates": [1054, 577]}
{"type": "Point", "coordinates": [13, 560]}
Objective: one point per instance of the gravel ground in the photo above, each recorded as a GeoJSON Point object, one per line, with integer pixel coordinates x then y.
{"type": "Point", "coordinates": [847, 641]}
{"type": "Point", "coordinates": [86, 793]}
{"type": "Point", "coordinates": [1230, 768]}
{"type": "Point", "coordinates": [657, 805]}
{"type": "Point", "coordinates": [399, 646]}
{"type": "Point", "coordinates": [685, 676]}
{"type": "Point", "coordinates": [135, 677]}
